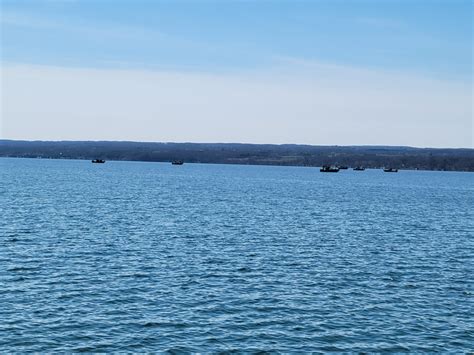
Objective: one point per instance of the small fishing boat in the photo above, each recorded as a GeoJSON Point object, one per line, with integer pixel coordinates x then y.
{"type": "Point", "coordinates": [329, 169]}
{"type": "Point", "coordinates": [390, 170]}
{"type": "Point", "coordinates": [359, 168]}
{"type": "Point", "coordinates": [98, 161]}
{"type": "Point", "coordinates": [177, 162]}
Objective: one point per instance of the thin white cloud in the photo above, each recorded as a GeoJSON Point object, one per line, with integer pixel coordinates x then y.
{"type": "Point", "coordinates": [23, 20]}
{"type": "Point", "coordinates": [381, 22]}
{"type": "Point", "coordinates": [313, 103]}
{"type": "Point", "coordinates": [111, 30]}
{"type": "Point", "coordinates": [114, 33]}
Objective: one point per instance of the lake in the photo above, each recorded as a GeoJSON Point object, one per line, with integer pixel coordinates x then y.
{"type": "Point", "coordinates": [143, 257]}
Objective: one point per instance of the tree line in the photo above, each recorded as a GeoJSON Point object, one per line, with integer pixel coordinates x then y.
{"type": "Point", "coordinates": [256, 154]}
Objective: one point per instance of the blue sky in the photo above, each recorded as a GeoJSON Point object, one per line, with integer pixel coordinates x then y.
{"type": "Point", "coordinates": [422, 40]}
{"type": "Point", "coordinates": [429, 37]}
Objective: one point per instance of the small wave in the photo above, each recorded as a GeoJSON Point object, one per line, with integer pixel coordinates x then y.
{"type": "Point", "coordinates": [23, 268]}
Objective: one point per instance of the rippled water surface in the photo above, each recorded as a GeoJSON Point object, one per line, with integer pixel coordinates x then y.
{"type": "Point", "coordinates": [129, 256]}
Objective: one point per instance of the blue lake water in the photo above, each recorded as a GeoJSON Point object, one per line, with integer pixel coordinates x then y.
{"type": "Point", "coordinates": [131, 256]}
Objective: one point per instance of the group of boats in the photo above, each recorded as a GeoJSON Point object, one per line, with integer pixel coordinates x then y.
{"type": "Point", "coordinates": [335, 169]}
{"type": "Point", "coordinates": [324, 168]}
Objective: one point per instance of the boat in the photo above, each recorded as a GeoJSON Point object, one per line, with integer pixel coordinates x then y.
{"type": "Point", "coordinates": [359, 168]}
{"type": "Point", "coordinates": [177, 162]}
{"type": "Point", "coordinates": [329, 169]}
{"type": "Point", "coordinates": [343, 167]}
{"type": "Point", "coordinates": [98, 161]}
{"type": "Point", "coordinates": [390, 170]}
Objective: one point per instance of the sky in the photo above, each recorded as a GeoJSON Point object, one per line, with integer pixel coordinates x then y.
{"type": "Point", "coordinates": [394, 72]}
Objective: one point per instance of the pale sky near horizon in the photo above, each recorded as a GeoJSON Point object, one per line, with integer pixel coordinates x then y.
{"type": "Point", "coordinates": [312, 72]}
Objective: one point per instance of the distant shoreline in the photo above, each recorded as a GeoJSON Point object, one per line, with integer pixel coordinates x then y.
{"type": "Point", "coordinates": [375, 157]}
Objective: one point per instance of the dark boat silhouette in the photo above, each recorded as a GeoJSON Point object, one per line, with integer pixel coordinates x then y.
{"type": "Point", "coordinates": [329, 169]}
{"type": "Point", "coordinates": [343, 167]}
{"type": "Point", "coordinates": [98, 161]}
{"type": "Point", "coordinates": [177, 162]}
{"type": "Point", "coordinates": [359, 168]}
{"type": "Point", "coordinates": [390, 170]}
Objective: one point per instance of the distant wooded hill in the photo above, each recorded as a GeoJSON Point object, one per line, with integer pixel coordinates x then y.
{"type": "Point", "coordinates": [233, 153]}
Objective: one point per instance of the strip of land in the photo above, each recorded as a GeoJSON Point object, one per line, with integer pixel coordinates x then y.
{"type": "Point", "coordinates": [255, 154]}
